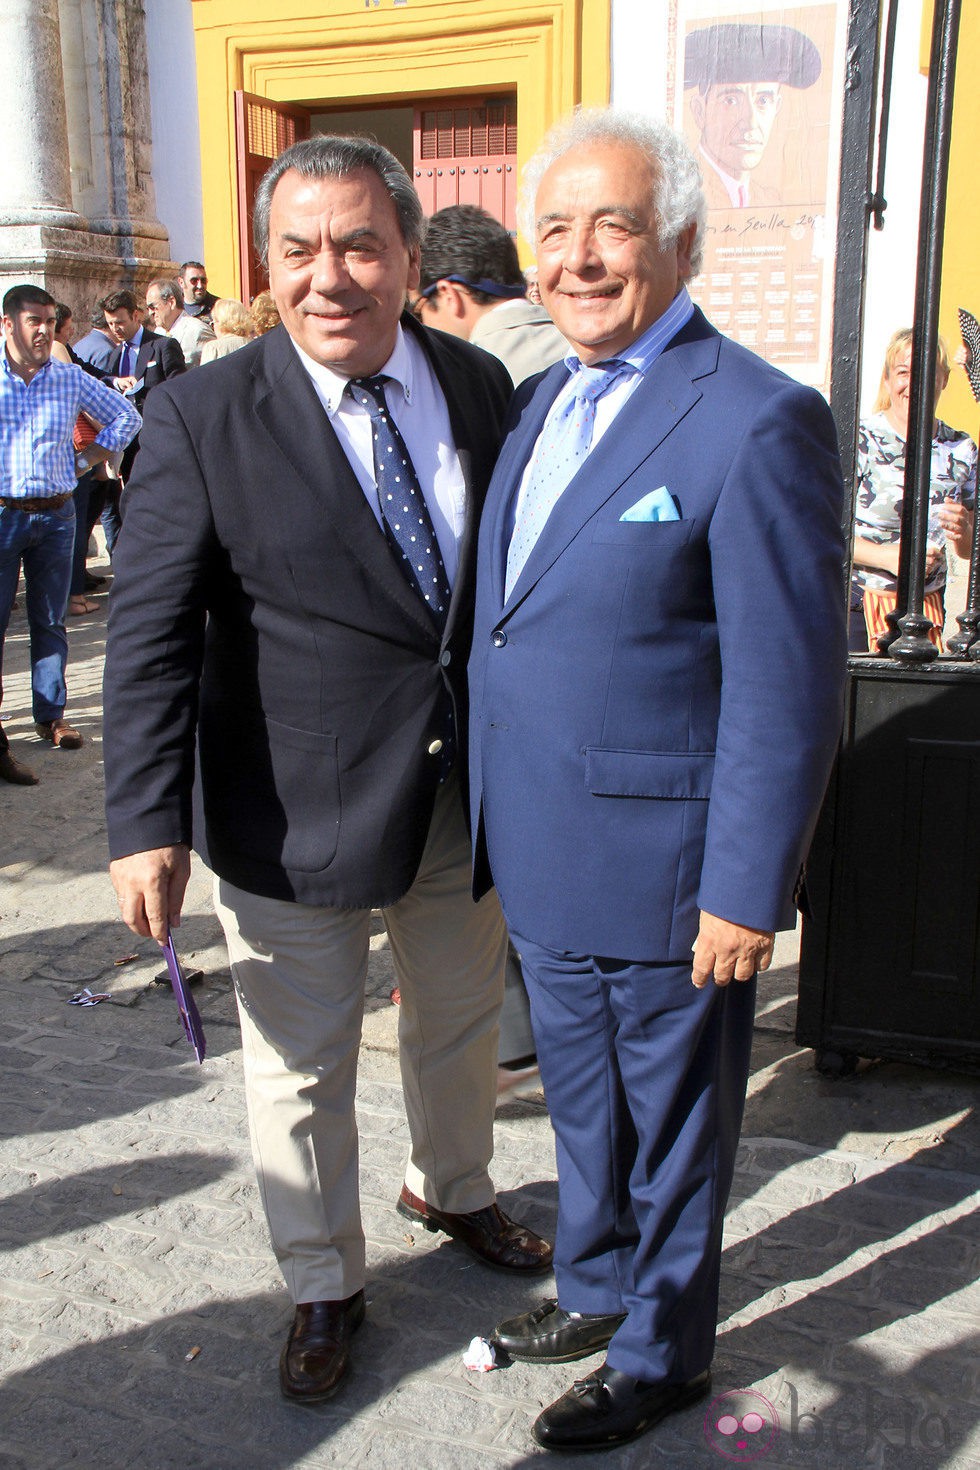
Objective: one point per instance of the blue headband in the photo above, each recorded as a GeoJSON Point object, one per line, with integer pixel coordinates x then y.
{"type": "Point", "coordinates": [489, 288]}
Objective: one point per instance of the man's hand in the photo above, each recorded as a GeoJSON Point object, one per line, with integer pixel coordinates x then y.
{"type": "Point", "coordinates": [726, 951]}
{"type": "Point", "coordinates": [150, 889]}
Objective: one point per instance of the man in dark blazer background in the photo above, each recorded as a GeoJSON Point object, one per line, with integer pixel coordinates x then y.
{"type": "Point", "coordinates": [143, 360]}
{"type": "Point", "coordinates": [656, 691]}
{"type": "Point", "coordinates": [269, 610]}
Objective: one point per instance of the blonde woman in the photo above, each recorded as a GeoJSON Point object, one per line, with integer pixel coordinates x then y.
{"type": "Point", "coordinates": [264, 314]}
{"type": "Point", "coordinates": [881, 488]}
{"type": "Point", "coordinates": [232, 329]}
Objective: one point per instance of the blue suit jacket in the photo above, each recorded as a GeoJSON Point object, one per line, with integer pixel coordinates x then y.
{"type": "Point", "coordinates": [656, 708]}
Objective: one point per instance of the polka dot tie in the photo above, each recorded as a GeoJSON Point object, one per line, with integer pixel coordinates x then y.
{"type": "Point", "coordinates": [565, 441]}
{"type": "Point", "coordinates": [404, 513]}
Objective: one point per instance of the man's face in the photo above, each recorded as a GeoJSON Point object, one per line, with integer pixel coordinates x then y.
{"type": "Point", "coordinates": [123, 324]}
{"type": "Point", "coordinates": [195, 284]}
{"type": "Point", "coordinates": [603, 274]}
{"type": "Point", "coordinates": [163, 310]}
{"type": "Point", "coordinates": [735, 122]}
{"type": "Point", "coordinates": [339, 269]}
{"type": "Point", "coordinates": [29, 336]}
{"type": "Point", "coordinates": [63, 334]}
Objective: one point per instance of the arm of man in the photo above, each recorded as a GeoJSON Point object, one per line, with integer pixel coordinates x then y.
{"type": "Point", "coordinates": [777, 568]}
{"type": "Point", "coordinates": [162, 569]}
{"type": "Point", "coordinates": [119, 418]}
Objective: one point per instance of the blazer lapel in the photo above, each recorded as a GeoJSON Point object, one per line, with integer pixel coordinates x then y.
{"type": "Point", "coordinates": [514, 455]}
{"type": "Point", "coordinates": [146, 353]}
{"type": "Point", "coordinates": [668, 392]}
{"type": "Point", "coordinates": [289, 410]}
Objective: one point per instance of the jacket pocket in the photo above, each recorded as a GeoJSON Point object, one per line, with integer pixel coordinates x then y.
{"type": "Point", "coordinates": [667, 775]}
{"type": "Point", "coordinates": [306, 788]}
{"type": "Point", "coordinates": [666, 536]}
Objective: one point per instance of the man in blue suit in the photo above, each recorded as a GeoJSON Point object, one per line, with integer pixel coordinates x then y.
{"type": "Point", "coordinates": [656, 683]}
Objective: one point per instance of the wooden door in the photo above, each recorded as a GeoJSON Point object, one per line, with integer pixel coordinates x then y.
{"type": "Point", "coordinates": [262, 130]}
{"type": "Point", "coordinates": [465, 152]}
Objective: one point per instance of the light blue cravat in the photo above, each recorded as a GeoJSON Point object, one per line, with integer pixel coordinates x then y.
{"type": "Point", "coordinates": [565, 441]}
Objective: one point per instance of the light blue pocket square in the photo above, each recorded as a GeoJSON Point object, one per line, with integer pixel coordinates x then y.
{"type": "Point", "coordinates": [657, 506]}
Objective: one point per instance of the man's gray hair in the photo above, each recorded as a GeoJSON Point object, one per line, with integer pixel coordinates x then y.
{"type": "Point", "coordinates": [168, 291]}
{"type": "Point", "coordinates": [328, 156]}
{"type": "Point", "coordinates": [678, 198]}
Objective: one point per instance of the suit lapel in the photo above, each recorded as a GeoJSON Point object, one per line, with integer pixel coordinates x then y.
{"type": "Point", "coordinates": [148, 343]}
{"type": "Point", "coordinates": [668, 392]}
{"type": "Point", "coordinates": [514, 455]}
{"type": "Point", "coordinates": [287, 406]}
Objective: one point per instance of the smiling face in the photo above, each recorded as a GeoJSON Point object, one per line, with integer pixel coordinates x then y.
{"type": "Point", "coordinates": [736, 120]}
{"type": "Point", "coordinates": [195, 284]}
{"type": "Point", "coordinates": [898, 380]}
{"type": "Point", "coordinates": [339, 269]}
{"type": "Point", "coordinates": [603, 275]}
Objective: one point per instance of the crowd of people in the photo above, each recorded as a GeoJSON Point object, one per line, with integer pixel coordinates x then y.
{"type": "Point", "coordinates": [80, 463]}
{"type": "Point", "coordinates": [431, 623]}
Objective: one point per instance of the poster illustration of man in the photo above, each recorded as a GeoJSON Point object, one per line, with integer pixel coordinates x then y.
{"type": "Point", "coordinates": [758, 93]}
{"type": "Point", "coordinates": [737, 73]}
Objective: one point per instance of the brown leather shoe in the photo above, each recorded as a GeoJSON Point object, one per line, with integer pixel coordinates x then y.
{"type": "Point", "coordinates": [60, 733]}
{"type": "Point", "coordinates": [487, 1234]}
{"type": "Point", "coordinates": [316, 1356]}
{"type": "Point", "coordinates": [15, 771]}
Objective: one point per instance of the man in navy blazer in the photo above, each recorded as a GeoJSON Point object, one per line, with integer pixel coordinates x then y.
{"type": "Point", "coordinates": [267, 629]}
{"type": "Point", "coordinates": [656, 691]}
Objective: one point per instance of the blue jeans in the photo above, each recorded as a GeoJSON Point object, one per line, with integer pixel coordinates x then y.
{"type": "Point", "coordinates": [44, 543]}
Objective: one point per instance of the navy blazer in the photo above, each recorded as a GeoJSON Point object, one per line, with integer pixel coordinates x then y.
{"type": "Point", "coordinates": [656, 707]}
{"type": "Point", "coordinates": [258, 607]}
{"type": "Point", "coordinates": [159, 357]}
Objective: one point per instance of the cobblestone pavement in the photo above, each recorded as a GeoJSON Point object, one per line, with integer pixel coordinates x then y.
{"type": "Point", "coordinates": [133, 1232]}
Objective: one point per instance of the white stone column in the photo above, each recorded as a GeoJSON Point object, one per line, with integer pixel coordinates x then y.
{"type": "Point", "coordinates": [35, 180]}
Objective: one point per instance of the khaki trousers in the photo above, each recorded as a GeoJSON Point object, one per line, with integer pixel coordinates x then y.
{"type": "Point", "coordinates": [299, 974]}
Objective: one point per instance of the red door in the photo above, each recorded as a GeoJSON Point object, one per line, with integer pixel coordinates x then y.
{"type": "Point", "coordinates": [465, 152]}
{"type": "Point", "coordinates": [262, 130]}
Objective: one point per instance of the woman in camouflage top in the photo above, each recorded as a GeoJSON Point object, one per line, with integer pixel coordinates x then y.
{"type": "Point", "coordinates": [881, 486]}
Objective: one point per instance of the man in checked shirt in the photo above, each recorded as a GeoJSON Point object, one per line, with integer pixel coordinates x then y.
{"type": "Point", "coordinates": [39, 403]}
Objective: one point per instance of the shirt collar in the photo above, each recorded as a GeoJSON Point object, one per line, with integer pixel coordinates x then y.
{"type": "Point", "coordinates": [9, 371]}
{"type": "Point", "coordinates": [642, 353]}
{"type": "Point", "coordinates": [331, 384]}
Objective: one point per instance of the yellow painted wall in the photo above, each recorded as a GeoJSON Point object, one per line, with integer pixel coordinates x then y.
{"type": "Point", "coordinates": [553, 53]}
{"type": "Point", "coordinates": [961, 253]}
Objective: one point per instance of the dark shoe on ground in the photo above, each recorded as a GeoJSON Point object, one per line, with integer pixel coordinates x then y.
{"type": "Point", "coordinates": [610, 1408]}
{"type": "Point", "coordinates": [316, 1357]}
{"type": "Point", "coordinates": [547, 1334]}
{"type": "Point", "coordinates": [60, 733]}
{"type": "Point", "coordinates": [92, 582]}
{"type": "Point", "coordinates": [487, 1234]}
{"type": "Point", "coordinates": [15, 771]}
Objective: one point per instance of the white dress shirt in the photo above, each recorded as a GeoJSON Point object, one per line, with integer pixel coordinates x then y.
{"type": "Point", "coordinates": [418, 407]}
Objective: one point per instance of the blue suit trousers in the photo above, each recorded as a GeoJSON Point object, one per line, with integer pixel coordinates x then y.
{"type": "Point", "coordinates": [645, 1078]}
